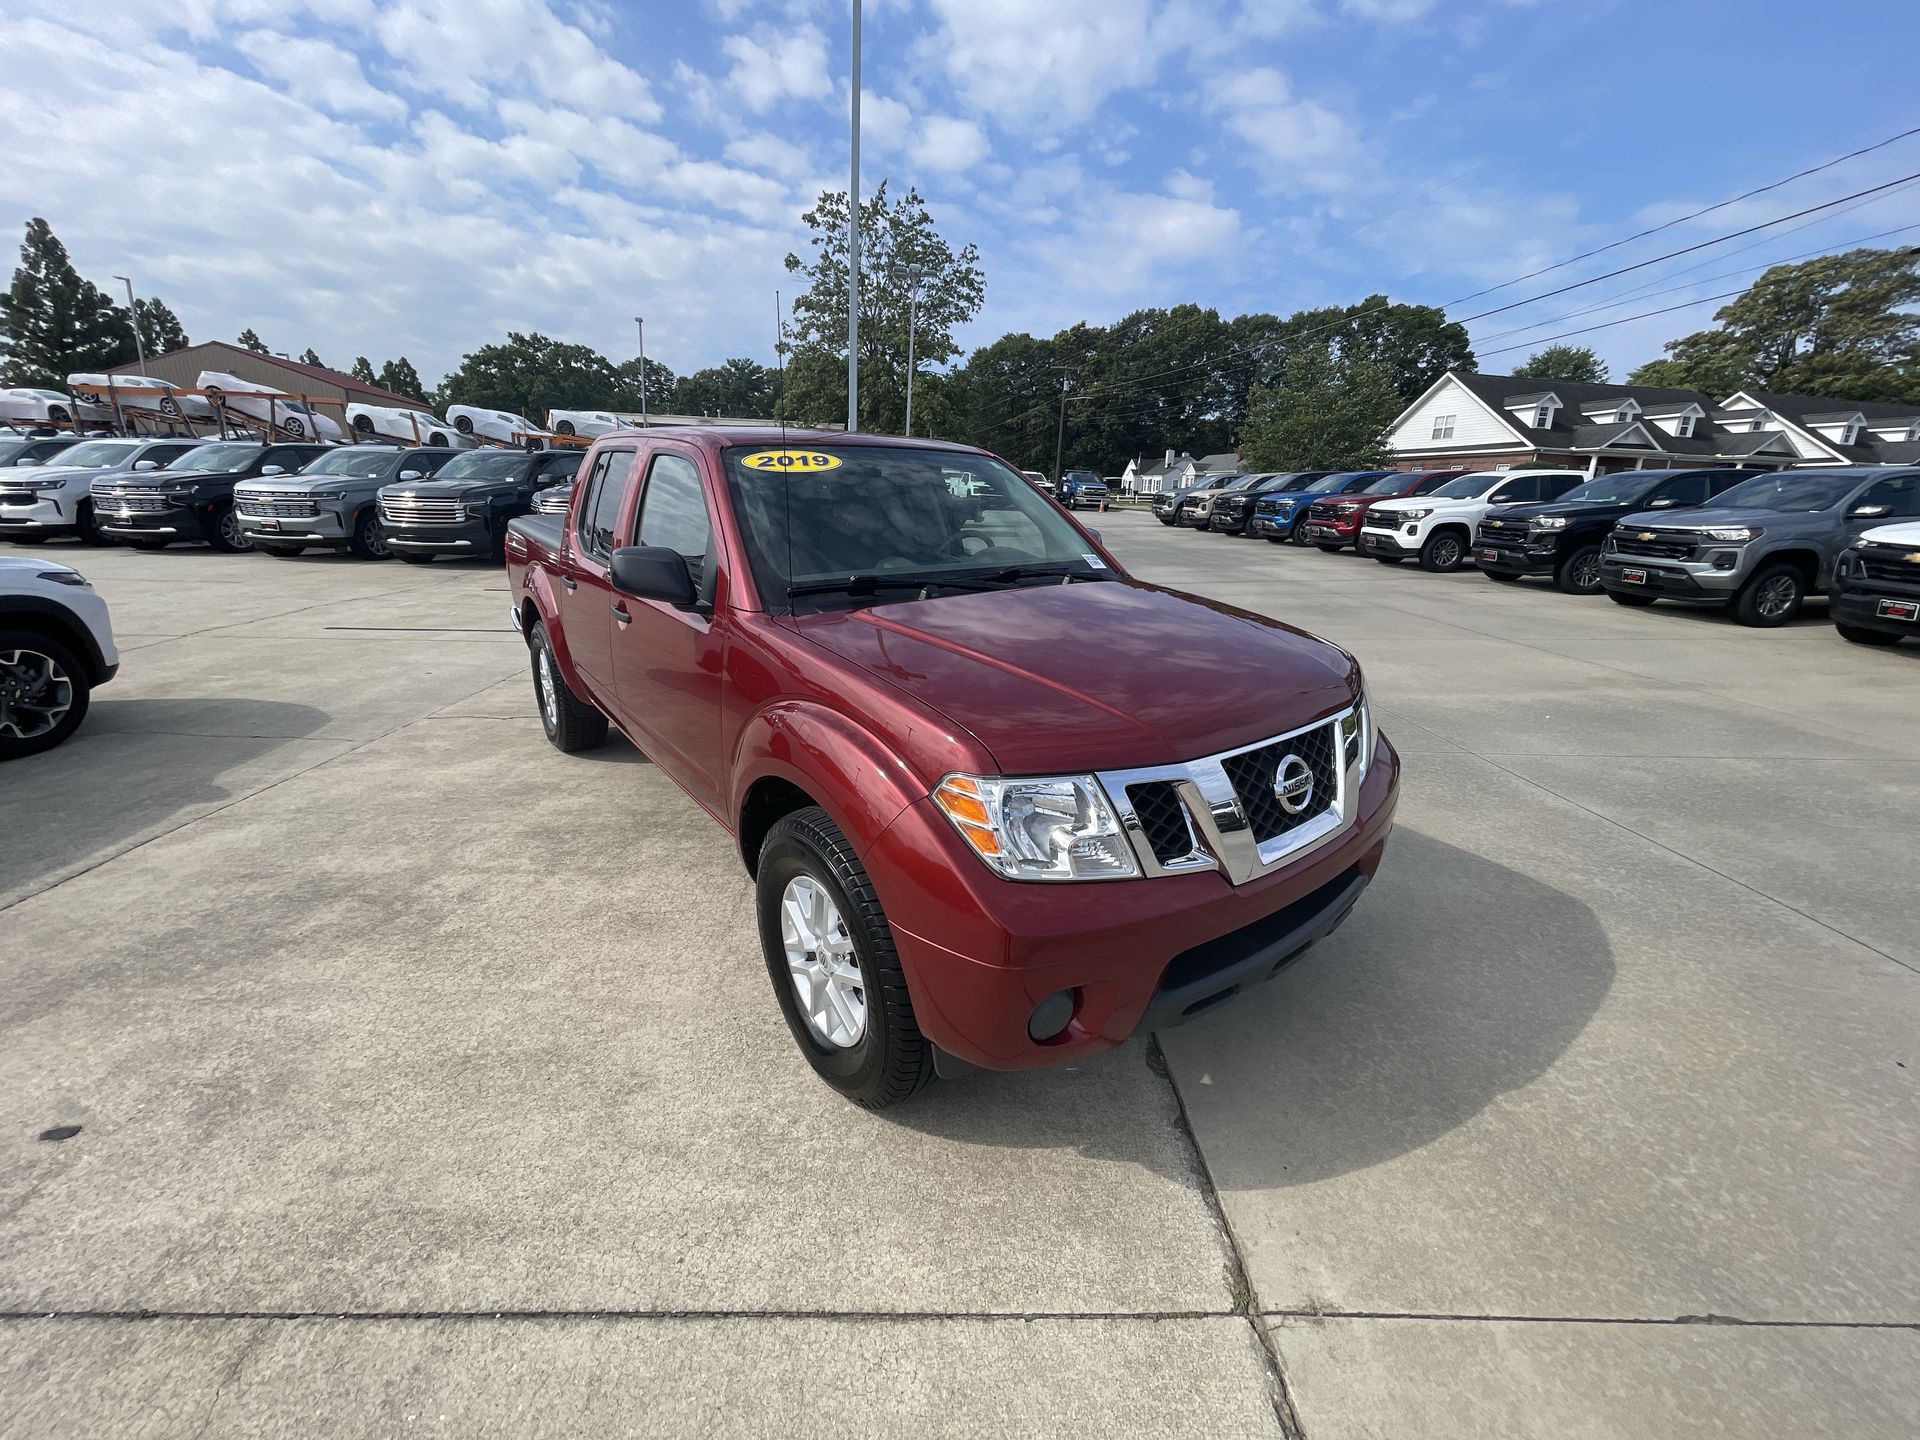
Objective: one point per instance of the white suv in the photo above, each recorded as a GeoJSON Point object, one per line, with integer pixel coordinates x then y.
{"type": "Point", "coordinates": [55, 498]}
{"type": "Point", "coordinates": [56, 645]}
{"type": "Point", "coordinates": [1438, 527]}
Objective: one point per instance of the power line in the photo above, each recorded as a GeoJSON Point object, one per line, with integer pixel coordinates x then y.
{"type": "Point", "coordinates": [1681, 220]}
{"type": "Point", "coordinates": [1609, 324]}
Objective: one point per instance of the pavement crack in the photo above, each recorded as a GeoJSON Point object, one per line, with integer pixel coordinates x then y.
{"type": "Point", "coordinates": [1321, 1312]}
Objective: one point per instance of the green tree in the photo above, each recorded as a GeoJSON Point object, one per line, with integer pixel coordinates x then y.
{"type": "Point", "coordinates": [1564, 362]}
{"type": "Point", "coordinates": [310, 356]}
{"type": "Point", "coordinates": [400, 377]}
{"type": "Point", "coordinates": [250, 341]}
{"type": "Point", "coordinates": [57, 323]}
{"type": "Point", "coordinates": [660, 386]}
{"type": "Point", "coordinates": [160, 329]}
{"type": "Point", "coordinates": [906, 267]}
{"type": "Point", "coordinates": [741, 387]}
{"type": "Point", "coordinates": [1329, 411]}
{"type": "Point", "coordinates": [530, 374]}
{"type": "Point", "coordinates": [363, 370]}
{"type": "Point", "coordinates": [1837, 325]}
{"type": "Point", "coordinates": [1416, 343]}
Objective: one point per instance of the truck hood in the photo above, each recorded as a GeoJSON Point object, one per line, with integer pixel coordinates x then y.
{"type": "Point", "coordinates": [1578, 510]}
{"type": "Point", "coordinates": [1698, 519]}
{"type": "Point", "coordinates": [1904, 534]}
{"type": "Point", "coordinates": [1063, 679]}
{"type": "Point", "coordinates": [1428, 502]}
{"type": "Point", "coordinates": [452, 489]}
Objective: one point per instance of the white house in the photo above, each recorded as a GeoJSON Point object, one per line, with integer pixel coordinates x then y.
{"type": "Point", "coordinates": [1151, 478]}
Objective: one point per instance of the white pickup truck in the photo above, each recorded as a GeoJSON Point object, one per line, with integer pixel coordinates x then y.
{"type": "Point", "coordinates": [1437, 528]}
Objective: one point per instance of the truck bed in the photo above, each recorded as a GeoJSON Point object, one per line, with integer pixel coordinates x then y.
{"type": "Point", "coordinates": [531, 540]}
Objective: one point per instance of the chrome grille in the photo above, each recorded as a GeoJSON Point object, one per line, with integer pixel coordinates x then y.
{"type": "Point", "coordinates": [1252, 773]}
{"type": "Point", "coordinates": [1898, 567]}
{"type": "Point", "coordinates": [1163, 820]}
{"type": "Point", "coordinates": [273, 507]}
{"type": "Point", "coordinates": [140, 501]}
{"type": "Point", "coordinates": [1659, 545]}
{"type": "Point", "coordinates": [420, 510]}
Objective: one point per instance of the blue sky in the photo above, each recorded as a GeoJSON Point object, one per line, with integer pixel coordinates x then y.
{"type": "Point", "coordinates": [386, 178]}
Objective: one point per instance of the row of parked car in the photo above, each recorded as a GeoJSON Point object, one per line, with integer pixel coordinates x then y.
{"type": "Point", "coordinates": [372, 500]}
{"type": "Point", "coordinates": [1758, 542]}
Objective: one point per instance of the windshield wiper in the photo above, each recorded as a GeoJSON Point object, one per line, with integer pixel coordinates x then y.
{"type": "Point", "coordinates": [1015, 573]}
{"type": "Point", "coordinates": [869, 584]}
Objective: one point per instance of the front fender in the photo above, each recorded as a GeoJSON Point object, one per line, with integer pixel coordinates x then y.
{"type": "Point", "coordinates": [861, 784]}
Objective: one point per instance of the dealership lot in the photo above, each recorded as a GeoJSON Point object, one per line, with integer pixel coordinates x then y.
{"type": "Point", "coordinates": [429, 1080]}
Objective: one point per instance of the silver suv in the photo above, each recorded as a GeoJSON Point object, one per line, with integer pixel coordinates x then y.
{"type": "Point", "coordinates": [1763, 546]}
{"type": "Point", "coordinates": [330, 504]}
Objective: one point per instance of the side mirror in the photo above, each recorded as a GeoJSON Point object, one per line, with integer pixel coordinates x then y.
{"type": "Point", "coordinates": [652, 572]}
{"type": "Point", "coordinates": [146, 464]}
{"type": "Point", "coordinates": [412, 475]}
{"type": "Point", "coordinates": [273, 469]}
{"type": "Point", "coordinates": [1662, 502]}
{"type": "Point", "coordinates": [1868, 512]}
{"type": "Point", "coordinates": [1093, 532]}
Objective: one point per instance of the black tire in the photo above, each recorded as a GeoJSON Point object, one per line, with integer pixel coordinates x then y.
{"type": "Point", "coordinates": [464, 424]}
{"type": "Point", "coordinates": [87, 528]}
{"type": "Point", "coordinates": [223, 532]}
{"type": "Point", "coordinates": [414, 557]}
{"type": "Point", "coordinates": [1579, 572]}
{"type": "Point", "coordinates": [281, 552]}
{"type": "Point", "coordinates": [1443, 553]}
{"type": "Point", "coordinates": [28, 681]}
{"type": "Point", "coordinates": [363, 424]}
{"type": "Point", "coordinates": [891, 1060]}
{"type": "Point", "coordinates": [571, 723]}
{"type": "Point", "coordinates": [1390, 559]}
{"type": "Point", "coordinates": [1166, 520]}
{"type": "Point", "coordinates": [1332, 549]}
{"type": "Point", "coordinates": [1622, 597]}
{"type": "Point", "coordinates": [436, 437]}
{"type": "Point", "coordinates": [369, 538]}
{"type": "Point", "coordinates": [1298, 536]}
{"type": "Point", "coordinates": [1860, 635]}
{"type": "Point", "coordinates": [1771, 597]}
{"type": "Point", "coordinates": [564, 427]}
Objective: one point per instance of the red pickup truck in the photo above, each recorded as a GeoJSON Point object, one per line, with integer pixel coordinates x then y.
{"type": "Point", "coordinates": [1004, 804]}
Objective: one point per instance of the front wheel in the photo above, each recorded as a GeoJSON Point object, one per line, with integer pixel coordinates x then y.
{"type": "Point", "coordinates": [1579, 573]}
{"type": "Point", "coordinates": [224, 533]}
{"type": "Point", "coordinates": [1166, 520]}
{"type": "Point", "coordinates": [831, 957]}
{"type": "Point", "coordinates": [87, 527]}
{"type": "Point", "coordinates": [570, 722]}
{"type": "Point", "coordinates": [1771, 597]}
{"type": "Point", "coordinates": [370, 538]}
{"type": "Point", "coordinates": [43, 693]}
{"type": "Point", "coordinates": [1443, 553]}
{"type": "Point", "coordinates": [1860, 635]}
{"type": "Point", "coordinates": [1298, 536]}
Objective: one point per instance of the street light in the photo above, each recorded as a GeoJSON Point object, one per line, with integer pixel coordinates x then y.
{"type": "Point", "coordinates": [133, 316]}
{"type": "Point", "coordinates": [853, 245]}
{"type": "Point", "coordinates": [641, 325]}
{"type": "Point", "coordinates": [916, 275]}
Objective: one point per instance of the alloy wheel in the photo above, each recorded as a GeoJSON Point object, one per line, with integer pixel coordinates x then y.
{"type": "Point", "coordinates": [1776, 597]}
{"type": "Point", "coordinates": [35, 694]}
{"type": "Point", "coordinates": [1586, 572]}
{"type": "Point", "coordinates": [377, 541]}
{"type": "Point", "coordinates": [827, 982]}
{"type": "Point", "coordinates": [231, 535]}
{"type": "Point", "coordinates": [549, 693]}
{"type": "Point", "coordinates": [1446, 552]}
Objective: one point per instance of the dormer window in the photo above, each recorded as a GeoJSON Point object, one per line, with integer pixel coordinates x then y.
{"type": "Point", "coordinates": [1627, 411]}
{"type": "Point", "coordinates": [1683, 427]}
{"type": "Point", "coordinates": [1849, 432]}
{"type": "Point", "coordinates": [1913, 431]}
{"type": "Point", "coordinates": [1542, 416]}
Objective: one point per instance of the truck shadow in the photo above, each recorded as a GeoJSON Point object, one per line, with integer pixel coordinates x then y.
{"type": "Point", "coordinates": [1456, 981]}
{"type": "Point", "coordinates": [133, 770]}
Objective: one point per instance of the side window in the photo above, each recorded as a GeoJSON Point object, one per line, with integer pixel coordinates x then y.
{"type": "Point", "coordinates": [602, 509]}
{"type": "Point", "coordinates": [1726, 480]}
{"type": "Point", "coordinates": [1897, 497]}
{"type": "Point", "coordinates": [1687, 490]}
{"type": "Point", "coordinates": [673, 512]}
{"type": "Point", "coordinates": [1554, 486]}
{"type": "Point", "coordinates": [165, 455]}
{"type": "Point", "coordinates": [1512, 492]}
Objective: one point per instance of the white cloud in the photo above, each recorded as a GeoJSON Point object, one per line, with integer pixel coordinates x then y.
{"type": "Point", "coordinates": [1031, 65]}
{"type": "Point", "coordinates": [762, 151]}
{"type": "Point", "coordinates": [1389, 12]}
{"type": "Point", "coordinates": [318, 72]}
{"type": "Point", "coordinates": [773, 65]}
{"type": "Point", "coordinates": [948, 143]}
{"type": "Point", "coordinates": [1301, 143]}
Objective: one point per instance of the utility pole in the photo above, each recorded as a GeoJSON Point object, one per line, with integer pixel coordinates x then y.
{"type": "Point", "coordinates": [1060, 435]}
{"type": "Point", "coordinates": [641, 325]}
{"type": "Point", "coordinates": [779, 339]}
{"type": "Point", "coordinates": [853, 245]}
{"type": "Point", "coordinates": [915, 275]}
{"type": "Point", "coordinates": [133, 317]}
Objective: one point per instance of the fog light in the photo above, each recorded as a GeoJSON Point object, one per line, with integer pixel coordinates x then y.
{"type": "Point", "coordinates": [1726, 560]}
{"type": "Point", "coordinates": [1051, 1015]}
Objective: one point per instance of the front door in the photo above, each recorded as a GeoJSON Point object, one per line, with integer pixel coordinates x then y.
{"type": "Point", "coordinates": [586, 597]}
{"type": "Point", "coordinates": [666, 662]}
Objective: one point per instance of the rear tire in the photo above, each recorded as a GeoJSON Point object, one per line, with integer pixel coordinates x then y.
{"type": "Point", "coordinates": [1579, 572]}
{"type": "Point", "coordinates": [1771, 598]}
{"type": "Point", "coordinates": [1860, 635]}
{"type": "Point", "coordinates": [570, 722]}
{"type": "Point", "coordinates": [1443, 553]}
{"type": "Point", "coordinates": [1621, 597]}
{"type": "Point", "coordinates": [42, 672]}
{"type": "Point", "coordinates": [889, 1060]}
{"type": "Point", "coordinates": [369, 538]}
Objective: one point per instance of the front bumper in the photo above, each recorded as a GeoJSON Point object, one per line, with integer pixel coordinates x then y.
{"type": "Point", "coordinates": [324, 527]}
{"type": "Point", "coordinates": [1323, 531]}
{"type": "Point", "coordinates": [176, 522]}
{"type": "Point", "coordinates": [1862, 604]}
{"type": "Point", "coordinates": [1387, 542]}
{"type": "Point", "coordinates": [1271, 524]}
{"type": "Point", "coordinates": [1227, 521]}
{"type": "Point", "coordinates": [1523, 559]}
{"type": "Point", "coordinates": [40, 515]}
{"type": "Point", "coordinates": [1676, 579]}
{"type": "Point", "coordinates": [469, 537]}
{"type": "Point", "coordinates": [1144, 953]}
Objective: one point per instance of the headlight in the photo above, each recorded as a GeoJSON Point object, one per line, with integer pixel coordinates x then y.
{"type": "Point", "coordinates": [1732, 532]}
{"type": "Point", "coordinates": [1054, 829]}
{"type": "Point", "coordinates": [1548, 522]}
{"type": "Point", "coordinates": [1357, 735]}
{"type": "Point", "coordinates": [1419, 514]}
{"type": "Point", "coordinates": [66, 577]}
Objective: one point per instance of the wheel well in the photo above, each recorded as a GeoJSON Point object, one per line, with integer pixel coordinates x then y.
{"type": "Point", "coordinates": [1456, 525]}
{"type": "Point", "coordinates": [51, 627]}
{"type": "Point", "coordinates": [768, 799]}
{"type": "Point", "coordinates": [529, 617]}
{"type": "Point", "coordinates": [1805, 561]}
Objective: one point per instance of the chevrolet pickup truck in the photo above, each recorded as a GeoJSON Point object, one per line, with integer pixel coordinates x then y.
{"type": "Point", "coordinates": [1334, 523]}
{"type": "Point", "coordinates": [192, 498]}
{"type": "Point", "coordinates": [330, 505]}
{"type": "Point", "coordinates": [976, 840]}
{"type": "Point", "coordinates": [1438, 527]}
{"type": "Point", "coordinates": [1761, 547]}
{"type": "Point", "coordinates": [1876, 587]}
{"type": "Point", "coordinates": [463, 507]}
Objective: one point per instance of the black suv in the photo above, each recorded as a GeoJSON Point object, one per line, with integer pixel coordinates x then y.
{"type": "Point", "coordinates": [464, 508]}
{"type": "Point", "coordinates": [1562, 538]}
{"type": "Point", "coordinates": [192, 499]}
{"type": "Point", "coordinates": [1232, 510]}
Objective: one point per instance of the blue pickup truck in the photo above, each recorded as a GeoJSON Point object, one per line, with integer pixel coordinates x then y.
{"type": "Point", "coordinates": [1082, 487]}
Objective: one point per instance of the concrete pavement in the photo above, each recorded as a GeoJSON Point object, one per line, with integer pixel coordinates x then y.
{"type": "Point", "coordinates": [429, 1081]}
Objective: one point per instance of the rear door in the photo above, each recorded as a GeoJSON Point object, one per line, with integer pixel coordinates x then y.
{"type": "Point", "coordinates": [667, 663]}
{"type": "Point", "coordinates": [586, 596]}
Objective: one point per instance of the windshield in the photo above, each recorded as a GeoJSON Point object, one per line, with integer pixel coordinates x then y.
{"type": "Point", "coordinates": [1387, 484]}
{"type": "Point", "coordinates": [1791, 492]}
{"type": "Point", "coordinates": [97, 453]}
{"type": "Point", "coordinates": [218, 459]}
{"type": "Point", "coordinates": [894, 520]}
{"type": "Point", "coordinates": [1469, 487]}
{"type": "Point", "coordinates": [1622, 489]}
{"type": "Point", "coordinates": [483, 465]}
{"type": "Point", "coordinates": [357, 461]}
{"type": "Point", "coordinates": [1324, 484]}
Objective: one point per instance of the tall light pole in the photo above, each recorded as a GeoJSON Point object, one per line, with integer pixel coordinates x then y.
{"type": "Point", "coordinates": [915, 275]}
{"type": "Point", "coordinates": [1060, 435]}
{"type": "Point", "coordinates": [133, 316]}
{"type": "Point", "coordinates": [853, 245]}
{"type": "Point", "coordinates": [641, 325]}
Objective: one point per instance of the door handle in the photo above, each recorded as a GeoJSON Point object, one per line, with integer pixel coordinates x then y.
{"type": "Point", "coordinates": [569, 582]}
{"type": "Point", "coordinates": [620, 613]}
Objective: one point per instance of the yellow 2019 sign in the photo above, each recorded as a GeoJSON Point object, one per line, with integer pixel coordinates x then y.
{"type": "Point", "coordinates": [792, 462]}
